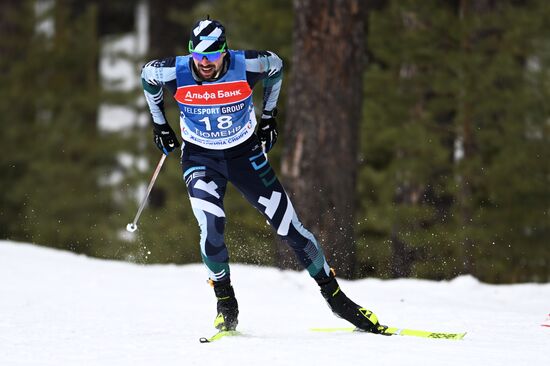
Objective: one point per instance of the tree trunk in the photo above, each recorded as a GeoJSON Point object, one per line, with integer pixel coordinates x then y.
{"type": "Point", "coordinates": [319, 162]}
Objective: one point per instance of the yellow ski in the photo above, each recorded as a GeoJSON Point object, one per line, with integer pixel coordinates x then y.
{"type": "Point", "coordinates": [399, 331]}
{"type": "Point", "coordinates": [219, 335]}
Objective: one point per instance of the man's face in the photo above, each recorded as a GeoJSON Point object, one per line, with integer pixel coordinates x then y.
{"type": "Point", "coordinates": [208, 69]}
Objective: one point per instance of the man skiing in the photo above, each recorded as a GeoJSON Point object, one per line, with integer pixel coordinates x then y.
{"type": "Point", "coordinates": [213, 89]}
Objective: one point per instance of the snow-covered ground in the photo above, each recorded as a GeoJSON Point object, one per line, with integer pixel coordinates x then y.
{"type": "Point", "coordinates": [58, 308]}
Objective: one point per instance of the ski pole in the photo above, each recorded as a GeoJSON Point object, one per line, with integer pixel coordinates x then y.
{"type": "Point", "coordinates": [131, 227]}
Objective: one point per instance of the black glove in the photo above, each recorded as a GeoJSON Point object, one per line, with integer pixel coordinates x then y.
{"type": "Point", "coordinates": [267, 130]}
{"type": "Point", "coordinates": [165, 138]}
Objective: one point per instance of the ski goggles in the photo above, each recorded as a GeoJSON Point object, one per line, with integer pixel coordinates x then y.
{"type": "Point", "coordinates": [210, 56]}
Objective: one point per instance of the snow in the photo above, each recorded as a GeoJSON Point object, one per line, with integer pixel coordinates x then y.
{"type": "Point", "coordinates": [58, 308]}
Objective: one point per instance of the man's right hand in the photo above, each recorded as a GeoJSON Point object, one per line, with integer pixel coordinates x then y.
{"type": "Point", "coordinates": [165, 138]}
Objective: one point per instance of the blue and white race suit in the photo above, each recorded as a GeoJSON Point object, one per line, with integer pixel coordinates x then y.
{"type": "Point", "coordinates": [217, 123]}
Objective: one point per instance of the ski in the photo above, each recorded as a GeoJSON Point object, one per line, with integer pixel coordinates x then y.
{"type": "Point", "coordinates": [219, 335]}
{"type": "Point", "coordinates": [399, 331]}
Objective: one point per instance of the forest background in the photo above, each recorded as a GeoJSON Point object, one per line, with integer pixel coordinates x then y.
{"type": "Point", "coordinates": [423, 129]}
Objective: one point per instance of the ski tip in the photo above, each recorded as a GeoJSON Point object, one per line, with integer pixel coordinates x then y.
{"type": "Point", "coordinates": [204, 340]}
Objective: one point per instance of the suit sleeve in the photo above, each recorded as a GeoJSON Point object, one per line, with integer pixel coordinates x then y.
{"type": "Point", "coordinates": [268, 67]}
{"type": "Point", "coordinates": [156, 75]}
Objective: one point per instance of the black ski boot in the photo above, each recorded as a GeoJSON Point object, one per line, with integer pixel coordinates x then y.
{"type": "Point", "coordinates": [344, 308]}
{"type": "Point", "coordinates": [228, 309]}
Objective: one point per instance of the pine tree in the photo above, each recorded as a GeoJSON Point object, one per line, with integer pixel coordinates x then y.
{"type": "Point", "coordinates": [60, 152]}
{"type": "Point", "coordinates": [452, 109]}
{"type": "Point", "coordinates": [17, 29]}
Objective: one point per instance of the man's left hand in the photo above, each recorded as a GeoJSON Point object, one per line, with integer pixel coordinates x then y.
{"type": "Point", "coordinates": [267, 131]}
